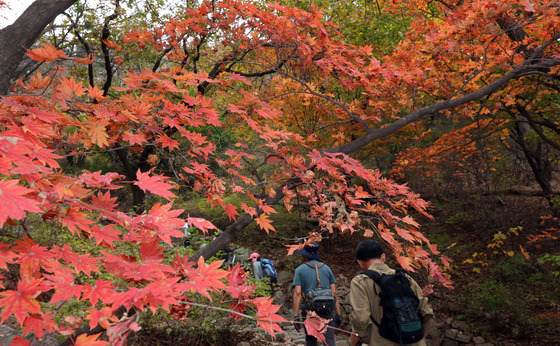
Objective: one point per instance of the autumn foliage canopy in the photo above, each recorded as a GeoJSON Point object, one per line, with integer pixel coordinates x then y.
{"type": "Point", "coordinates": [290, 101]}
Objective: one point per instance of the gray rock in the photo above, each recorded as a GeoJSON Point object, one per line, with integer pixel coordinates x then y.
{"type": "Point", "coordinates": [451, 333]}
{"type": "Point", "coordinates": [7, 334]}
{"type": "Point", "coordinates": [458, 325]}
{"type": "Point", "coordinates": [448, 342]}
{"type": "Point", "coordinates": [478, 340]}
{"type": "Point", "coordinates": [464, 338]}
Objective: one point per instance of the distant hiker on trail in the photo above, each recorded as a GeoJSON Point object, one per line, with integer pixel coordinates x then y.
{"type": "Point", "coordinates": [387, 305]}
{"type": "Point", "coordinates": [315, 290]}
{"type": "Point", "coordinates": [188, 235]}
{"type": "Point", "coordinates": [254, 259]}
{"type": "Point", "coordinates": [264, 269]}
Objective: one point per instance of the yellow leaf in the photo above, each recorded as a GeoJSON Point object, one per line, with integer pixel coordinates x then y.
{"type": "Point", "coordinates": [98, 135]}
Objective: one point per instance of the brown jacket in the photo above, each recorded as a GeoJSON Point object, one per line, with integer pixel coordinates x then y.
{"type": "Point", "coordinates": [365, 302]}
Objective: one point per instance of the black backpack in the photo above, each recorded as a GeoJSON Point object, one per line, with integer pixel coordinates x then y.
{"type": "Point", "coordinates": [269, 271]}
{"type": "Point", "coordinates": [402, 318]}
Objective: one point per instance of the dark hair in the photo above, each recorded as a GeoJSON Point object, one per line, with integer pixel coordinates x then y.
{"type": "Point", "coordinates": [368, 249]}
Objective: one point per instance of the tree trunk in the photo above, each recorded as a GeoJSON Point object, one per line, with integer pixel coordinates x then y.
{"type": "Point", "coordinates": [23, 33]}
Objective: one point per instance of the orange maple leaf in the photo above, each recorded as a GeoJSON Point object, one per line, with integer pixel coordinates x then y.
{"type": "Point", "coordinates": [91, 340]}
{"type": "Point", "coordinates": [87, 60]}
{"type": "Point", "coordinates": [47, 53]}
{"type": "Point", "coordinates": [265, 223]}
{"type": "Point", "coordinates": [167, 142]}
{"type": "Point", "coordinates": [98, 134]}
{"type": "Point", "coordinates": [37, 82]}
{"type": "Point", "coordinates": [95, 93]}
{"type": "Point", "coordinates": [22, 301]}
{"type": "Point", "coordinates": [74, 219]}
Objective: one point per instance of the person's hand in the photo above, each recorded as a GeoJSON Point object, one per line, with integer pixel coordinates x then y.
{"type": "Point", "coordinates": [337, 320]}
{"type": "Point", "coordinates": [297, 323]}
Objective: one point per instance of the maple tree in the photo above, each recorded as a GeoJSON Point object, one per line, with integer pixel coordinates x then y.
{"type": "Point", "coordinates": [296, 100]}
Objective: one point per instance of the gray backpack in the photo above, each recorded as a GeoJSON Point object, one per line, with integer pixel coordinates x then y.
{"type": "Point", "coordinates": [320, 299]}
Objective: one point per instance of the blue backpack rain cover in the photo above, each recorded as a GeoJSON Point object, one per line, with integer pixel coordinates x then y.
{"type": "Point", "coordinates": [268, 270]}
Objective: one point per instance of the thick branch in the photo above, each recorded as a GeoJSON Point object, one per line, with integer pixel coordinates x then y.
{"type": "Point", "coordinates": [230, 232]}
{"type": "Point", "coordinates": [23, 33]}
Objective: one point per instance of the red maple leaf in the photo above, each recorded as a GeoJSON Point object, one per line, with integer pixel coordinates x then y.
{"type": "Point", "coordinates": [107, 235]}
{"type": "Point", "coordinates": [249, 210]}
{"type": "Point", "coordinates": [103, 202]}
{"type": "Point", "coordinates": [63, 283]}
{"type": "Point", "coordinates": [206, 277]}
{"type": "Point", "coordinates": [74, 219]}
{"type": "Point", "coordinates": [13, 204]}
{"type": "Point", "coordinates": [316, 326]}
{"type": "Point", "coordinates": [19, 341]}
{"type": "Point", "coordinates": [103, 317]}
{"type": "Point", "coordinates": [150, 248]}
{"type": "Point", "coordinates": [201, 224]}
{"type": "Point", "coordinates": [99, 291]}
{"type": "Point", "coordinates": [6, 256]}
{"type": "Point", "coordinates": [38, 324]}
{"type": "Point", "coordinates": [231, 211]}
{"type": "Point", "coordinates": [22, 301]}
{"type": "Point", "coordinates": [154, 184]}
{"type": "Point", "coordinates": [267, 318]}
{"type": "Point", "coordinates": [84, 263]}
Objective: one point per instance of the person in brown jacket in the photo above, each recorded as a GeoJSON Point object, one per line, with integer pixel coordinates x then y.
{"type": "Point", "coordinates": [365, 299]}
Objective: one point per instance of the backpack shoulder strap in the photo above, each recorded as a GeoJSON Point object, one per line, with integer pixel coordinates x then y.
{"type": "Point", "coordinates": [316, 271]}
{"type": "Point", "coordinates": [375, 276]}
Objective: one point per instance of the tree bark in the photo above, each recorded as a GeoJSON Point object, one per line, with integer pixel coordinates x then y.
{"type": "Point", "coordinates": [23, 33]}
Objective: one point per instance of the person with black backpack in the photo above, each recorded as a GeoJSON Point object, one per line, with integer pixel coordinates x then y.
{"type": "Point", "coordinates": [315, 290]}
{"type": "Point", "coordinates": [387, 305]}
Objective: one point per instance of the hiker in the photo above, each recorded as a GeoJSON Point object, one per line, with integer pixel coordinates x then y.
{"type": "Point", "coordinates": [366, 295]}
{"type": "Point", "coordinates": [309, 278]}
{"type": "Point", "coordinates": [188, 235]}
{"type": "Point", "coordinates": [254, 259]}
{"type": "Point", "coordinates": [264, 269]}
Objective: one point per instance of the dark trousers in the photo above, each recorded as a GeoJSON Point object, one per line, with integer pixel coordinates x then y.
{"type": "Point", "coordinates": [329, 335]}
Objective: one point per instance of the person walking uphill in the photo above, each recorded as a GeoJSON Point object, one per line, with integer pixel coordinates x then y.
{"type": "Point", "coordinates": [264, 269]}
{"type": "Point", "coordinates": [387, 306]}
{"type": "Point", "coordinates": [315, 290]}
